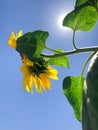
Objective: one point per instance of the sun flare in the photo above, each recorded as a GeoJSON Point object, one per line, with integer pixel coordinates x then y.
{"type": "Point", "coordinates": [60, 22]}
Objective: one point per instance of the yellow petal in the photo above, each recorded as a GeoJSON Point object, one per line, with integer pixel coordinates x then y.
{"type": "Point", "coordinates": [26, 61]}
{"type": "Point", "coordinates": [19, 33]}
{"type": "Point", "coordinates": [31, 82]}
{"type": "Point", "coordinates": [25, 69]}
{"type": "Point", "coordinates": [52, 73]}
{"type": "Point", "coordinates": [38, 84]}
{"type": "Point", "coordinates": [12, 40]}
{"type": "Point", "coordinates": [45, 82]}
{"type": "Point", "coordinates": [27, 79]}
{"type": "Point", "coordinates": [28, 82]}
{"type": "Point", "coordinates": [53, 76]}
{"type": "Point", "coordinates": [52, 70]}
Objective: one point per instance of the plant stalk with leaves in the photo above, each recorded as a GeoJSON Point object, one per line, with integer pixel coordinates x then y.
{"type": "Point", "coordinates": [81, 92]}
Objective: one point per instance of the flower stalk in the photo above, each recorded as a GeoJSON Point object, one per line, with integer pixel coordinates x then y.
{"type": "Point", "coordinates": [71, 52]}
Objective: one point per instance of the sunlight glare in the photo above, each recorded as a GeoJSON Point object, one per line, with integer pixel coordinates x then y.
{"type": "Point", "coordinates": [60, 22]}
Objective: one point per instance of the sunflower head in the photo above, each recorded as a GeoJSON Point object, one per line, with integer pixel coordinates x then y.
{"type": "Point", "coordinates": [39, 67]}
{"type": "Point", "coordinates": [38, 74]}
{"type": "Point", "coordinates": [12, 39]}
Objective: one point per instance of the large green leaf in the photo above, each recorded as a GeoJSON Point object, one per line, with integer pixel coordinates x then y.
{"type": "Point", "coordinates": [86, 2]}
{"type": "Point", "coordinates": [81, 19]}
{"type": "Point", "coordinates": [32, 44]}
{"type": "Point", "coordinates": [59, 61]}
{"type": "Point", "coordinates": [72, 88]}
{"type": "Point", "coordinates": [80, 2]}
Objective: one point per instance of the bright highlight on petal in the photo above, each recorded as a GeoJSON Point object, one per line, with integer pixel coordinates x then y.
{"type": "Point", "coordinates": [52, 73]}
{"type": "Point", "coordinates": [12, 39]}
{"type": "Point", "coordinates": [19, 34]}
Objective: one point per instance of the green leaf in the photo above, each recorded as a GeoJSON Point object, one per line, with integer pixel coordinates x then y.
{"type": "Point", "coordinates": [86, 2]}
{"type": "Point", "coordinates": [81, 19]}
{"type": "Point", "coordinates": [72, 88]}
{"type": "Point", "coordinates": [32, 44]}
{"type": "Point", "coordinates": [41, 37]}
{"type": "Point", "coordinates": [59, 61]}
{"type": "Point", "coordinates": [79, 2]}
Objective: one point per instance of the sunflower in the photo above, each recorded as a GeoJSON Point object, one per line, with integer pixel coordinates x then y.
{"type": "Point", "coordinates": [12, 39]}
{"type": "Point", "coordinates": [37, 74]}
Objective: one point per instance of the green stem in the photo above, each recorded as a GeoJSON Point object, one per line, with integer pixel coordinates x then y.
{"type": "Point", "coordinates": [85, 64]}
{"type": "Point", "coordinates": [73, 40]}
{"type": "Point", "coordinates": [52, 50]}
{"type": "Point", "coordinates": [88, 49]}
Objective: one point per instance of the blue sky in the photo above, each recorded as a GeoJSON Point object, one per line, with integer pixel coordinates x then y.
{"type": "Point", "coordinates": [20, 110]}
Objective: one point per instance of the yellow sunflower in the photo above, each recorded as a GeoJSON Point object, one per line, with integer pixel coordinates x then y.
{"type": "Point", "coordinates": [37, 74]}
{"type": "Point", "coordinates": [12, 39]}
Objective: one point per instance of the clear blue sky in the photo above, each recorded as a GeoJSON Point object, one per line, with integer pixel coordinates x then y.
{"type": "Point", "coordinates": [20, 110]}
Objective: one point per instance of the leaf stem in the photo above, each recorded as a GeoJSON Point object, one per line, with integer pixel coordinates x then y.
{"type": "Point", "coordinates": [73, 40]}
{"type": "Point", "coordinates": [86, 62]}
{"type": "Point", "coordinates": [81, 50]}
{"type": "Point", "coordinates": [52, 50]}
